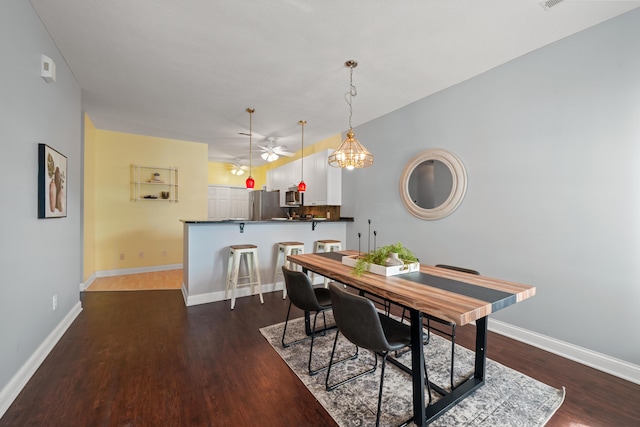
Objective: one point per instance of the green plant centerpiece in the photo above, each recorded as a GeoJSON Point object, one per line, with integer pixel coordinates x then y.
{"type": "Point", "coordinates": [380, 256]}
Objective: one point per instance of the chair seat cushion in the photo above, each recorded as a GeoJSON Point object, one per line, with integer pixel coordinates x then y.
{"type": "Point", "coordinates": [324, 296]}
{"type": "Point", "coordinates": [398, 334]}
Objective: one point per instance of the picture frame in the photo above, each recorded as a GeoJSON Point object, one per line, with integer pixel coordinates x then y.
{"type": "Point", "coordinates": [52, 183]}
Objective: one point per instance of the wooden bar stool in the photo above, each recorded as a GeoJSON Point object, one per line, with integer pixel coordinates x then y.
{"type": "Point", "coordinates": [285, 249]}
{"type": "Point", "coordinates": [250, 255]}
{"type": "Point", "coordinates": [326, 246]}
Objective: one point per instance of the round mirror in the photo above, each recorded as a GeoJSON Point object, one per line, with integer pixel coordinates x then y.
{"type": "Point", "coordinates": [433, 184]}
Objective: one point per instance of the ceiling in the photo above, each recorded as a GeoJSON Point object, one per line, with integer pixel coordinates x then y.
{"type": "Point", "coordinates": [189, 69]}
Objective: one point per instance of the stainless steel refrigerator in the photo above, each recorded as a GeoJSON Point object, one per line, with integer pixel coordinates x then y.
{"type": "Point", "coordinates": [265, 205]}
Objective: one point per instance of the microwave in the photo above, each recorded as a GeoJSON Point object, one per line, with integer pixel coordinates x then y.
{"type": "Point", "coordinates": [292, 197]}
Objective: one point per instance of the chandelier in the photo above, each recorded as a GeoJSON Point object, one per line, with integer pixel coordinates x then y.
{"type": "Point", "coordinates": [351, 154]}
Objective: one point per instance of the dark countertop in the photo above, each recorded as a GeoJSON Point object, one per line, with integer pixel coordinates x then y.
{"type": "Point", "coordinates": [282, 221]}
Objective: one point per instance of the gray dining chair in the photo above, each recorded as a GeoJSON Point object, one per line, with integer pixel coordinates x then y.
{"type": "Point", "coordinates": [303, 295]}
{"type": "Point", "coordinates": [360, 323]}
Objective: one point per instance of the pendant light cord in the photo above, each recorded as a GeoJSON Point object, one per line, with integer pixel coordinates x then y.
{"type": "Point", "coordinates": [348, 97]}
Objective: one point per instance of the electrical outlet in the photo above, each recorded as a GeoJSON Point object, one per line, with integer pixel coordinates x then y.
{"type": "Point", "coordinates": [140, 254]}
{"type": "Point", "coordinates": [164, 253]}
{"type": "Point", "coordinates": [121, 257]}
{"type": "Point", "coordinates": [55, 301]}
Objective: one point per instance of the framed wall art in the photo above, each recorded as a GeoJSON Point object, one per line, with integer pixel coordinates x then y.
{"type": "Point", "coordinates": [52, 183]}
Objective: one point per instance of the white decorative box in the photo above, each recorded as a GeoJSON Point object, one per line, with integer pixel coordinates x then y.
{"type": "Point", "coordinates": [381, 270]}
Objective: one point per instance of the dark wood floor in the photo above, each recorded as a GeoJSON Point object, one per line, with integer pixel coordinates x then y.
{"type": "Point", "coordinates": [144, 359]}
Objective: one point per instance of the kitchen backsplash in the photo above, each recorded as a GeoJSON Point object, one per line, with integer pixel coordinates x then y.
{"type": "Point", "coordinates": [329, 212]}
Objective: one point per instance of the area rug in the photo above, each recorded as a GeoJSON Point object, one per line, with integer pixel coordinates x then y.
{"type": "Point", "coordinates": [508, 397]}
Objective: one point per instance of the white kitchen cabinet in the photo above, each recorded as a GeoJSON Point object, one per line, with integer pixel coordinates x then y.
{"type": "Point", "coordinates": [239, 206]}
{"type": "Point", "coordinates": [289, 176]}
{"type": "Point", "coordinates": [219, 202]}
{"type": "Point", "coordinates": [324, 183]}
{"type": "Point", "coordinates": [228, 202]}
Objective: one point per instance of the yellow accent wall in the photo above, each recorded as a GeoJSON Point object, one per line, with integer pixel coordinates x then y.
{"type": "Point", "coordinates": [89, 231]}
{"type": "Point", "coordinates": [146, 232]}
{"type": "Point", "coordinates": [220, 173]}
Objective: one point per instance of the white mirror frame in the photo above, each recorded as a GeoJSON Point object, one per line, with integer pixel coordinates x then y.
{"type": "Point", "coordinates": [458, 189]}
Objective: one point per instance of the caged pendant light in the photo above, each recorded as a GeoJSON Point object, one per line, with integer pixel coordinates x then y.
{"type": "Point", "coordinates": [302, 187]}
{"type": "Point", "coordinates": [250, 182]}
{"type": "Point", "coordinates": [351, 154]}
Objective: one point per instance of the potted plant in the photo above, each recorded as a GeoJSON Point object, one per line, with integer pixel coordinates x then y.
{"type": "Point", "coordinates": [384, 256]}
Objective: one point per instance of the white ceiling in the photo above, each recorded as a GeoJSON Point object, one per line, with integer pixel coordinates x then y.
{"type": "Point", "coordinates": [188, 69]}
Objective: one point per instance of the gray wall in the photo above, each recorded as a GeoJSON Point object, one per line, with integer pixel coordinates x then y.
{"type": "Point", "coordinates": [551, 143]}
{"type": "Point", "coordinates": [38, 257]}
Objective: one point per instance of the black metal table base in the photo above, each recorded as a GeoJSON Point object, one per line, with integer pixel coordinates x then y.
{"type": "Point", "coordinates": [424, 415]}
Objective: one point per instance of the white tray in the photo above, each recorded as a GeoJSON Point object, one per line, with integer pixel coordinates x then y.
{"type": "Point", "coordinates": [381, 270]}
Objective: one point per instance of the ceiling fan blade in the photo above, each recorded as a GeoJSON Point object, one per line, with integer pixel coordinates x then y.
{"type": "Point", "coordinates": [282, 152]}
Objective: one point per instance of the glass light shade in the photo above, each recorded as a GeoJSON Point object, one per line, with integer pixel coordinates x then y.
{"type": "Point", "coordinates": [351, 154]}
{"type": "Point", "coordinates": [302, 187]}
{"type": "Point", "coordinates": [269, 156]}
{"type": "Point", "coordinates": [237, 171]}
{"type": "Point", "coordinates": [250, 183]}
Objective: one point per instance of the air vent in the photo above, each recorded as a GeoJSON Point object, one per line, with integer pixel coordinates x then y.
{"type": "Point", "coordinates": [546, 5]}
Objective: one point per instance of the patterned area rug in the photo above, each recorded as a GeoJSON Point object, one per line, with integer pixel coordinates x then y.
{"type": "Point", "coordinates": [508, 397]}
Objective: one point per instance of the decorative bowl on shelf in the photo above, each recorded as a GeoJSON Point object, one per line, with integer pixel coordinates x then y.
{"type": "Point", "coordinates": [164, 194]}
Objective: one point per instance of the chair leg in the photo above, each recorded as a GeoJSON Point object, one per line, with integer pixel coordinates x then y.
{"type": "Point", "coordinates": [384, 363]}
{"type": "Point", "coordinates": [313, 334]}
{"type": "Point", "coordinates": [323, 332]}
{"type": "Point", "coordinates": [331, 363]}
{"type": "Point", "coordinates": [427, 382]}
{"type": "Point", "coordinates": [453, 352]}
{"type": "Point", "coordinates": [255, 276]}
{"type": "Point", "coordinates": [234, 279]}
{"type": "Point", "coordinates": [284, 331]}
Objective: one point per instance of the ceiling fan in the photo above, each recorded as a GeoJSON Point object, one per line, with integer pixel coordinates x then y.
{"type": "Point", "coordinates": [238, 169]}
{"type": "Point", "coordinates": [271, 151]}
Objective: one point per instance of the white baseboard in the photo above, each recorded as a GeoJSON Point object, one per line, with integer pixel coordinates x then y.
{"type": "Point", "coordinates": [136, 270]}
{"type": "Point", "coordinates": [88, 282]}
{"type": "Point", "coordinates": [20, 379]}
{"type": "Point", "coordinates": [219, 295]}
{"type": "Point", "coordinates": [599, 361]}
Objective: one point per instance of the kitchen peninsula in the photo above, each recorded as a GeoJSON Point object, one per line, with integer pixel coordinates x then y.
{"type": "Point", "coordinates": [206, 250]}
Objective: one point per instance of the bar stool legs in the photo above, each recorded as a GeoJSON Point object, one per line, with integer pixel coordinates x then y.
{"type": "Point", "coordinates": [250, 255]}
{"type": "Point", "coordinates": [285, 249]}
{"type": "Point", "coordinates": [326, 246]}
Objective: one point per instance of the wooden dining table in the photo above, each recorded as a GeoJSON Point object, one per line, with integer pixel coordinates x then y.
{"type": "Point", "coordinates": [453, 296]}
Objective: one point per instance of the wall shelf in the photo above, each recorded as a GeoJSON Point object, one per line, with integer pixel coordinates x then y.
{"type": "Point", "coordinates": [149, 183]}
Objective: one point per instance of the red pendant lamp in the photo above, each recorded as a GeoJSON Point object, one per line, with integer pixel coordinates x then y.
{"type": "Point", "coordinates": [302, 187]}
{"type": "Point", "coordinates": [250, 182]}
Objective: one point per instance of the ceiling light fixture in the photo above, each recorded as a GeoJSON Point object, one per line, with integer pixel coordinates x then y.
{"type": "Point", "coordinates": [250, 182]}
{"type": "Point", "coordinates": [270, 156]}
{"type": "Point", "coordinates": [237, 170]}
{"type": "Point", "coordinates": [302, 187]}
{"type": "Point", "coordinates": [351, 154]}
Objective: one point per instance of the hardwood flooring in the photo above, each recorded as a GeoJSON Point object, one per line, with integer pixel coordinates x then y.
{"type": "Point", "coordinates": [144, 359]}
{"type": "Point", "coordinates": [166, 279]}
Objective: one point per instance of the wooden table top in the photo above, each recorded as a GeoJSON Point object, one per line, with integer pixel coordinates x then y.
{"type": "Point", "coordinates": [446, 294]}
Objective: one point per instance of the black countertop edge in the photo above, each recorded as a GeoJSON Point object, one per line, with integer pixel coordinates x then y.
{"type": "Point", "coordinates": [269, 221]}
